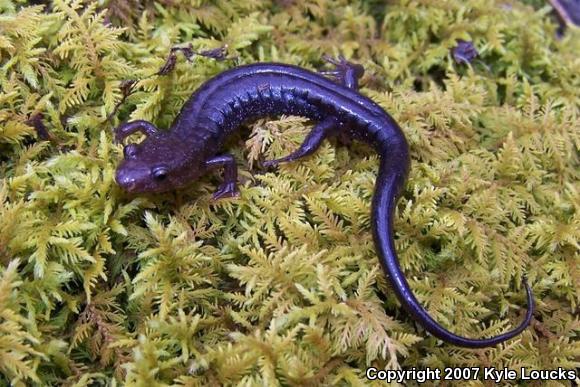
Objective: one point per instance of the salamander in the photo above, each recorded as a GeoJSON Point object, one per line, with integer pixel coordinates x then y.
{"type": "Point", "coordinates": [168, 160]}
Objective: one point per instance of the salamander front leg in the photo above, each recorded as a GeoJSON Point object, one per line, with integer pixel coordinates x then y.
{"type": "Point", "coordinates": [345, 72]}
{"type": "Point", "coordinates": [228, 188]}
{"type": "Point", "coordinates": [311, 143]}
{"type": "Point", "coordinates": [129, 128]}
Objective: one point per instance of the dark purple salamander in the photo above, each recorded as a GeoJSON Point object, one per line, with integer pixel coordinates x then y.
{"type": "Point", "coordinates": [168, 160]}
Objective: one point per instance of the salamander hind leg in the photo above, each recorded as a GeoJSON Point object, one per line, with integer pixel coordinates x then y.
{"type": "Point", "coordinates": [229, 187]}
{"type": "Point", "coordinates": [311, 143]}
{"type": "Point", "coordinates": [345, 72]}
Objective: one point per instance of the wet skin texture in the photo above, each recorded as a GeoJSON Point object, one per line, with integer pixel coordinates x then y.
{"type": "Point", "coordinates": [169, 160]}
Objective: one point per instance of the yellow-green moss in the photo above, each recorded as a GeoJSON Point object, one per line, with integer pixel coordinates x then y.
{"type": "Point", "coordinates": [282, 287]}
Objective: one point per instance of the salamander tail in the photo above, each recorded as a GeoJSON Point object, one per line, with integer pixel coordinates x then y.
{"type": "Point", "coordinates": [389, 182]}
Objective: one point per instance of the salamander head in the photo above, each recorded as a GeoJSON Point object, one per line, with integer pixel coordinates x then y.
{"type": "Point", "coordinates": [157, 164]}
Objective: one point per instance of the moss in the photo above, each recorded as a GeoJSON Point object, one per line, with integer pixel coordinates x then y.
{"type": "Point", "coordinates": [283, 286]}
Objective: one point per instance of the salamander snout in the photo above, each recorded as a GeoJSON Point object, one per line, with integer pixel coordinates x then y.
{"type": "Point", "coordinates": [134, 177]}
{"type": "Point", "coordinates": [126, 180]}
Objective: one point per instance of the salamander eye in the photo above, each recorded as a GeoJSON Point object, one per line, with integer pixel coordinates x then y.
{"type": "Point", "coordinates": [159, 173]}
{"type": "Point", "coordinates": [130, 151]}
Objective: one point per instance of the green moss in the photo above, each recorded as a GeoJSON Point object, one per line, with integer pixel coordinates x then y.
{"type": "Point", "coordinates": [283, 286]}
